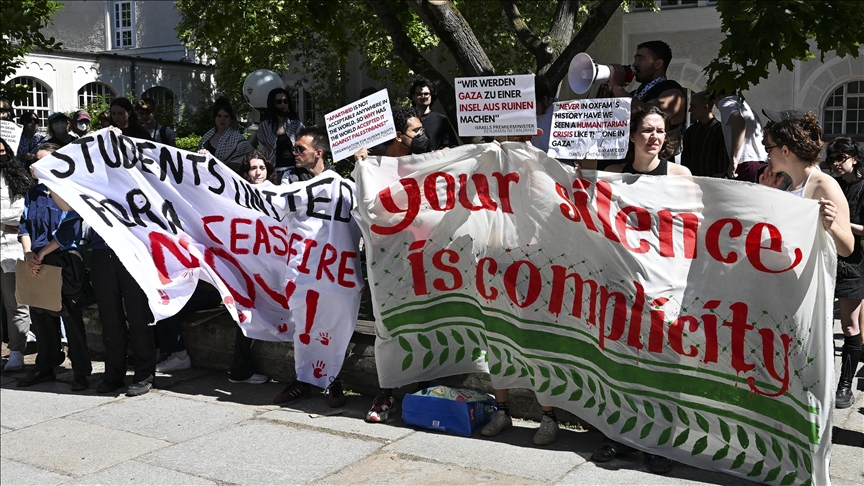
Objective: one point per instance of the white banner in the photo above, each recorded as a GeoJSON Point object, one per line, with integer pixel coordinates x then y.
{"type": "Point", "coordinates": [11, 132]}
{"type": "Point", "coordinates": [363, 124]}
{"type": "Point", "coordinates": [284, 258]}
{"type": "Point", "coordinates": [590, 129]}
{"type": "Point", "coordinates": [496, 105]}
{"type": "Point", "coordinates": [688, 317]}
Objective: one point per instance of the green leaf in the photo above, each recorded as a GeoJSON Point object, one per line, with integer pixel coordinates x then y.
{"type": "Point", "coordinates": [631, 403]}
{"type": "Point", "coordinates": [511, 370]}
{"type": "Point", "coordinates": [699, 446]}
{"type": "Point", "coordinates": [775, 446]}
{"type": "Point", "coordinates": [427, 359]}
{"type": "Point", "coordinates": [664, 436]}
{"type": "Point", "coordinates": [724, 430]}
{"type": "Point", "coordinates": [628, 425]}
{"type": "Point", "coordinates": [789, 478]}
{"type": "Point", "coordinates": [457, 337]}
{"type": "Point", "coordinates": [591, 385]}
{"type": "Point", "coordinates": [442, 339]}
{"type": "Point", "coordinates": [406, 363]}
{"type": "Point", "coordinates": [615, 398]}
{"type": "Point", "coordinates": [496, 352]}
{"type": "Point", "coordinates": [808, 466]}
{"type": "Point", "coordinates": [667, 414]}
{"type": "Point", "coordinates": [495, 369]}
{"type": "Point", "coordinates": [703, 423]}
{"type": "Point", "coordinates": [720, 454]}
{"type": "Point", "coordinates": [558, 390]}
{"type": "Point", "coordinates": [793, 455]}
{"type": "Point", "coordinates": [544, 371]}
{"type": "Point", "coordinates": [577, 378]}
{"type": "Point", "coordinates": [445, 353]}
{"type": "Point", "coordinates": [476, 354]}
{"type": "Point", "coordinates": [649, 409]}
{"type": "Point", "coordinates": [424, 341]}
{"type": "Point", "coordinates": [760, 445]}
{"type": "Point", "coordinates": [405, 344]}
{"type": "Point", "coordinates": [560, 373]}
{"type": "Point", "coordinates": [738, 461]}
{"type": "Point", "coordinates": [646, 430]}
{"type": "Point", "coordinates": [682, 438]}
{"type": "Point", "coordinates": [600, 408]}
{"type": "Point", "coordinates": [472, 336]}
{"type": "Point", "coordinates": [613, 418]}
{"type": "Point", "coordinates": [576, 395]}
{"type": "Point", "coordinates": [460, 354]}
{"type": "Point", "coordinates": [772, 475]}
{"type": "Point", "coordinates": [590, 403]}
{"type": "Point", "coordinates": [743, 439]}
{"type": "Point", "coordinates": [683, 416]}
{"type": "Point", "coordinates": [757, 469]}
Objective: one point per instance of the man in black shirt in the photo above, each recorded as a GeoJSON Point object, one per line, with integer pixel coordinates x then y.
{"type": "Point", "coordinates": [437, 126]}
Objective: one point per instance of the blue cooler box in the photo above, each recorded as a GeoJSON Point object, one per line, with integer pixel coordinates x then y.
{"type": "Point", "coordinates": [453, 410]}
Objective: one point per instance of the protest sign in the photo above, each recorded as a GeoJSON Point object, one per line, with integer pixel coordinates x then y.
{"type": "Point", "coordinates": [688, 317]}
{"type": "Point", "coordinates": [11, 133]}
{"type": "Point", "coordinates": [496, 105]}
{"type": "Point", "coordinates": [590, 129]}
{"type": "Point", "coordinates": [284, 258]}
{"type": "Point", "coordinates": [362, 124]}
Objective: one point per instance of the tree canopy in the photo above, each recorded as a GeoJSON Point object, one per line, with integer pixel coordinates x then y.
{"type": "Point", "coordinates": [22, 22]}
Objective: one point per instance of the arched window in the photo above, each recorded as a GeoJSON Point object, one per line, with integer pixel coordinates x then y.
{"type": "Point", "coordinates": [38, 98]}
{"type": "Point", "coordinates": [93, 91]}
{"type": "Point", "coordinates": [844, 110]}
{"type": "Point", "coordinates": [163, 97]}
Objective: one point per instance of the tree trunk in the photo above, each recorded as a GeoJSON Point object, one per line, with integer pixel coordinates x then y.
{"type": "Point", "coordinates": [457, 35]}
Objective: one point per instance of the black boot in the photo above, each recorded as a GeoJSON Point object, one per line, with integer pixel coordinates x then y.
{"type": "Point", "coordinates": [848, 363]}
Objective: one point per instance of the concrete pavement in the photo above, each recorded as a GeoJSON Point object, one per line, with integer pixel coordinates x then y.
{"type": "Point", "coordinates": [197, 428]}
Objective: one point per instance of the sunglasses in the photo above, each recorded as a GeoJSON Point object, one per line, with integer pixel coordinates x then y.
{"type": "Point", "coordinates": [281, 101]}
{"type": "Point", "coordinates": [299, 149]}
{"type": "Point", "coordinates": [831, 159]}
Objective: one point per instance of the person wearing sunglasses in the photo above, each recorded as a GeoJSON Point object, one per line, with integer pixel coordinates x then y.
{"type": "Point", "coordinates": [309, 154]}
{"type": "Point", "coordinates": [279, 130]}
{"type": "Point", "coordinates": [31, 139]}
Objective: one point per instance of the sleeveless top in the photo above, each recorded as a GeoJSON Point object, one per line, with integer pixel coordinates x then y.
{"type": "Point", "coordinates": [800, 192]}
{"type": "Point", "coordinates": [661, 169]}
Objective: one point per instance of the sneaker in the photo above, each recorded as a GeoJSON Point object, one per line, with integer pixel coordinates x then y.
{"type": "Point", "coordinates": [140, 387]}
{"type": "Point", "coordinates": [36, 376]}
{"type": "Point", "coordinates": [499, 423]}
{"type": "Point", "coordinates": [335, 395]}
{"type": "Point", "coordinates": [605, 453]}
{"type": "Point", "coordinates": [294, 391]}
{"type": "Point", "coordinates": [381, 409]}
{"type": "Point", "coordinates": [16, 361]}
{"type": "Point", "coordinates": [255, 379]}
{"type": "Point", "coordinates": [659, 464]}
{"type": "Point", "coordinates": [174, 363]}
{"type": "Point", "coordinates": [548, 431]}
{"type": "Point", "coordinates": [842, 399]}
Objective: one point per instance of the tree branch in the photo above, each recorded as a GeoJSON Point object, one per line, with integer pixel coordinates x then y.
{"type": "Point", "coordinates": [523, 32]}
{"type": "Point", "coordinates": [563, 24]}
{"type": "Point", "coordinates": [457, 35]}
{"type": "Point", "coordinates": [596, 21]}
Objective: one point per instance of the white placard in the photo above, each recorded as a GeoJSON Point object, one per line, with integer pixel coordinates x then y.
{"type": "Point", "coordinates": [11, 132]}
{"type": "Point", "coordinates": [496, 105]}
{"type": "Point", "coordinates": [362, 124]}
{"type": "Point", "coordinates": [590, 129]}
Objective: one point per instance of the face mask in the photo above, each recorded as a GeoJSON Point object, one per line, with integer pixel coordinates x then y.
{"type": "Point", "coordinates": [59, 127]}
{"type": "Point", "coordinates": [420, 144]}
{"type": "Point", "coordinates": [4, 158]}
{"type": "Point", "coordinates": [82, 126]}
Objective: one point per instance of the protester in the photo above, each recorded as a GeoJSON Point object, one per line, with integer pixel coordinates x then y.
{"type": "Point", "coordinates": [81, 123]}
{"type": "Point", "coordinates": [437, 127]}
{"type": "Point", "coordinates": [125, 118]}
{"type": "Point", "coordinates": [6, 112]}
{"type": "Point", "coordinates": [104, 119]}
{"type": "Point", "coordinates": [545, 106]}
{"type": "Point", "coordinates": [222, 141]}
{"type": "Point", "coordinates": [742, 132]}
{"type": "Point", "coordinates": [704, 151]}
{"type": "Point", "coordinates": [650, 64]}
{"type": "Point", "coordinates": [145, 108]}
{"type": "Point", "coordinates": [310, 151]}
{"type": "Point", "coordinates": [256, 169]}
{"type": "Point", "coordinates": [59, 129]}
{"type": "Point", "coordinates": [408, 129]}
{"type": "Point", "coordinates": [846, 158]}
{"type": "Point", "coordinates": [31, 139]}
{"type": "Point", "coordinates": [277, 133]}
{"type": "Point", "coordinates": [50, 236]}
{"type": "Point", "coordinates": [14, 184]}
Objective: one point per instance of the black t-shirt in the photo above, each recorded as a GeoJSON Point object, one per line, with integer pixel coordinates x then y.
{"type": "Point", "coordinates": [284, 151]}
{"type": "Point", "coordinates": [439, 131]}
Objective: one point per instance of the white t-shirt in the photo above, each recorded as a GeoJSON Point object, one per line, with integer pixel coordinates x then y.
{"type": "Point", "coordinates": [751, 149]}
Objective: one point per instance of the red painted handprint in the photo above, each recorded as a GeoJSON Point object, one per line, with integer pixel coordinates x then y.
{"type": "Point", "coordinates": [311, 309]}
{"type": "Point", "coordinates": [318, 367]}
{"type": "Point", "coordinates": [324, 337]}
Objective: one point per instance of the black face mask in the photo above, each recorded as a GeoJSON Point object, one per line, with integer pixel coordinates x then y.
{"type": "Point", "coordinates": [420, 144]}
{"type": "Point", "coordinates": [4, 158]}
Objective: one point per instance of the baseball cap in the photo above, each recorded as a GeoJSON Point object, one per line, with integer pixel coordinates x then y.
{"type": "Point", "coordinates": [81, 115]}
{"type": "Point", "coordinates": [56, 116]}
{"type": "Point", "coordinates": [778, 116]}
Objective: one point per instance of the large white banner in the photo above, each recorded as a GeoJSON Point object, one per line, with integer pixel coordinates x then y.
{"type": "Point", "coordinates": [285, 258]}
{"type": "Point", "coordinates": [688, 317]}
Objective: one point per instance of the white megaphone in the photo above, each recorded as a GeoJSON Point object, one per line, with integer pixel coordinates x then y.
{"type": "Point", "coordinates": [258, 85]}
{"type": "Point", "coordinates": [584, 72]}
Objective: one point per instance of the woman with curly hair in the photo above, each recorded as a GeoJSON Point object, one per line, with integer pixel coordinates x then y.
{"type": "Point", "coordinates": [14, 183]}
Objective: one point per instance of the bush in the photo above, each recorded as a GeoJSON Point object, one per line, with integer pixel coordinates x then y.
{"type": "Point", "coordinates": [189, 143]}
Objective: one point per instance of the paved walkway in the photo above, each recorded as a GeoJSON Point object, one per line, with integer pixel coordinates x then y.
{"type": "Point", "coordinates": [198, 428]}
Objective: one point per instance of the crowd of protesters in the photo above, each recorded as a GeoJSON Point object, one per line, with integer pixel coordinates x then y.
{"type": "Point", "coordinates": [784, 153]}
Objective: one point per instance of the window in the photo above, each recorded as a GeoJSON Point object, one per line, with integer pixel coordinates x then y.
{"type": "Point", "coordinates": [844, 110]}
{"type": "Point", "coordinates": [124, 25]}
{"type": "Point", "coordinates": [38, 99]}
{"type": "Point", "coordinates": [310, 115]}
{"type": "Point", "coordinates": [93, 92]}
{"type": "Point", "coordinates": [164, 99]}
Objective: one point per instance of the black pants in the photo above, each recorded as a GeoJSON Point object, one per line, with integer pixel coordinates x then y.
{"type": "Point", "coordinates": [121, 300]}
{"type": "Point", "coordinates": [169, 331]}
{"type": "Point", "coordinates": [46, 327]}
{"type": "Point", "coordinates": [243, 366]}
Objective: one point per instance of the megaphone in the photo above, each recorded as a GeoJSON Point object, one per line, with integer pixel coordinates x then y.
{"type": "Point", "coordinates": [258, 85]}
{"type": "Point", "coordinates": [584, 72]}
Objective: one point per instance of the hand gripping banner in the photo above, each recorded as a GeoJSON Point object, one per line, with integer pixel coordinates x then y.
{"type": "Point", "coordinates": [284, 258]}
{"type": "Point", "coordinates": [688, 317]}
